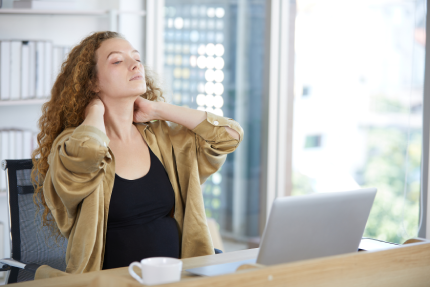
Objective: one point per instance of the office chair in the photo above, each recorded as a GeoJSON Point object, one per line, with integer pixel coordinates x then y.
{"type": "Point", "coordinates": [30, 248]}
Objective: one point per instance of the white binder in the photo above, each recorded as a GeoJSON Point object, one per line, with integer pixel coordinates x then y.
{"type": "Point", "coordinates": [15, 70]}
{"type": "Point", "coordinates": [25, 70]}
{"type": "Point", "coordinates": [40, 73]}
{"type": "Point", "coordinates": [4, 70]}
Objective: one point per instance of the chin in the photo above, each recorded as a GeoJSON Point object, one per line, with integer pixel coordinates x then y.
{"type": "Point", "coordinates": [141, 92]}
{"type": "Point", "coordinates": [135, 92]}
{"type": "Point", "coordinates": [138, 90]}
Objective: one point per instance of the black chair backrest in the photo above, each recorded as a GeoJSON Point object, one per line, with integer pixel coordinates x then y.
{"type": "Point", "coordinates": [31, 242]}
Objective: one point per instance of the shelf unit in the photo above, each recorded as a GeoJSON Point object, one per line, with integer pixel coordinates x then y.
{"type": "Point", "coordinates": [113, 26]}
{"type": "Point", "coordinates": [24, 113]}
{"type": "Point", "coordinates": [23, 102]}
{"type": "Point", "coordinates": [111, 13]}
{"type": "Point", "coordinates": [70, 12]}
{"type": "Point", "coordinates": [64, 28]}
{"type": "Point", "coordinates": [54, 12]}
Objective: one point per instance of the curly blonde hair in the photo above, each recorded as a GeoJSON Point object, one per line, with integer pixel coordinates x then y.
{"type": "Point", "coordinates": [73, 90]}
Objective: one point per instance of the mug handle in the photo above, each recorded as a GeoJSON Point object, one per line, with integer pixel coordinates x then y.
{"type": "Point", "coordinates": [133, 274]}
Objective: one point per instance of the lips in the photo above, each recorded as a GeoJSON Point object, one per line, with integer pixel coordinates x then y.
{"type": "Point", "coordinates": [137, 77]}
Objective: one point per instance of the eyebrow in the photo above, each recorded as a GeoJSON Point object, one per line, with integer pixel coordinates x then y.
{"type": "Point", "coordinates": [118, 52]}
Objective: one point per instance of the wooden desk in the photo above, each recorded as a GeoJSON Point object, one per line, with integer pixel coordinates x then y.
{"type": "Point", "coordinates": [406, 265]}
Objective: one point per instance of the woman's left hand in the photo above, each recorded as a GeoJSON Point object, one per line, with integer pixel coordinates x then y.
{"type": "Point", "coordinates": [143, 110]}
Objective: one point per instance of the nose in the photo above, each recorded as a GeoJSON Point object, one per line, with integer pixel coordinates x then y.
{"type": "Point", "coordinates": [135, 65]}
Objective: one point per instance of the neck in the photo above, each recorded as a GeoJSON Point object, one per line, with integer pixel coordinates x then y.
{"type": "Point", "coordinates": [118, 118]}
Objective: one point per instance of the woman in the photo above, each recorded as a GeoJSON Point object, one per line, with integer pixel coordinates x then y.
{"type": "Point", "coordinates": [119, 181]}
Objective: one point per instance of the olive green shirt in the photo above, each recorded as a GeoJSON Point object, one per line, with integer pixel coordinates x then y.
{"type": "Point", "coordinates": [78, 184]}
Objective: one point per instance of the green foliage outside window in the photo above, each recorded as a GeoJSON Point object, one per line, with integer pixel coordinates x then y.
{"type": "Point", "coordinates": [392, 218]}
{"type": "Point", "coordinates": [385, 169]}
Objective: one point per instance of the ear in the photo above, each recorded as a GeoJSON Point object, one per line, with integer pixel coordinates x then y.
{"type": "Point", "coordinates": [95, 87]}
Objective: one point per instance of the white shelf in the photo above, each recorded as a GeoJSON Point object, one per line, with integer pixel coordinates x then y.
{"type": "Point", "coordinates": [132, 12]}
{"type": "Point", "coordinates": [55, 12]}
{"type": "Point", "coordinates": [70, 12]}
{"type": "Point", "coordinates": [23, 102]}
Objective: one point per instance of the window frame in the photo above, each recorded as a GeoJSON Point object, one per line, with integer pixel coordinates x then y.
{"type": "Point", "coordinates": [154, 27]}
{"type": "Point", "coordinates": [424, 230]}
{"type": "Point", "coordinates": [277, 114]}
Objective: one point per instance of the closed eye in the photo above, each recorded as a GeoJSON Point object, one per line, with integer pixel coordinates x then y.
{"type": "Point", "coordinates": [116, 63]}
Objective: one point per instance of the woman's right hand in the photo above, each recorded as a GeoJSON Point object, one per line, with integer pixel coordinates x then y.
{"type": "Point", "coordinates": [94, 113]}
{"type": "Point", "coordinates": [96, 105]}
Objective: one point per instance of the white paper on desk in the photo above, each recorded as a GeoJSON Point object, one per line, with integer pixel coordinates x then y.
{"type": "Point", "coordinates": [220, 269]}
{"type": "Point", "coordinates": [4, 70]}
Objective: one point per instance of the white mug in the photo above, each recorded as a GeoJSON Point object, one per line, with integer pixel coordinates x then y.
{"type": "Point", "coordinates": [157, 270]}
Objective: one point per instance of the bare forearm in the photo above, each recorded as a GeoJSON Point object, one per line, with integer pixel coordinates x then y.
{"type": "Point", "coordinates": [95, 118]}
{"type": "Point", "coordinates": [186, 117]}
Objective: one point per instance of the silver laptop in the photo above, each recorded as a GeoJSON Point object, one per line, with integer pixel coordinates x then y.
{"type": "Point", "coordinates": [307, 227]}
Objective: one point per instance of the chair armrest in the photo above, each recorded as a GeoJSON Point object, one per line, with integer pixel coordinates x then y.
{"type": "Point", "coordinates": [13, 263]}
{"type": "Point", "coordinates": [9, 262]}
{"type": "Point", "coordinates": [5, 267]}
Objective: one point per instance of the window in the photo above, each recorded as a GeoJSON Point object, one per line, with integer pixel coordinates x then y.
{"type": "Point", "coordinates": [365, 63]}
{"type": "Point", "coordinates": [213, 55]}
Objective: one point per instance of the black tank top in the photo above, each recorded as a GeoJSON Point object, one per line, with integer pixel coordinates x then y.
{"type": "Point", "coordinates": [139, 225]}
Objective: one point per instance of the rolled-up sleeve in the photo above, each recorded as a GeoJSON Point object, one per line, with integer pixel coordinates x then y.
{"type": "Point", "coordinates": [77, 165]}
{"type": "Point", "coordinates": [85, 151]}
{"type": "Point", "coordinates": [213, 143]}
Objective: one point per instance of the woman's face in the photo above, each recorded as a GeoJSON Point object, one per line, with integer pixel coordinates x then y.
{"type": "Point", "coordinates": [119, 70]}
